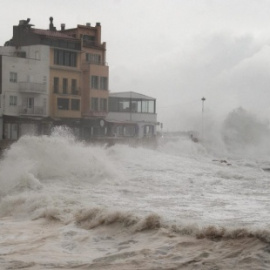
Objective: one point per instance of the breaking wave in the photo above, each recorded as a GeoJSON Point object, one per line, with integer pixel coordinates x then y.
{"type": "Point", "coordinates": [35, 160]}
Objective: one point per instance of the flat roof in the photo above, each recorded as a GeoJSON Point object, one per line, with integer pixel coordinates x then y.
{"type": "Point", "coordinates": [130, 94]}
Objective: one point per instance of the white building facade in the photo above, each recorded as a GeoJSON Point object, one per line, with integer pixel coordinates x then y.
{"type": "Point", "coordinates": [24, 89]}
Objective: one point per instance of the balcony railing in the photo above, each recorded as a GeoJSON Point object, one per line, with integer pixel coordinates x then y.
{"type": "Point", "coordinates": [35, 111]}
{"type": "Point", "coordinates": [31, 87]}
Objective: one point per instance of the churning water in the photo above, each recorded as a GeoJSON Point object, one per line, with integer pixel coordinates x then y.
{"type": "Point", "coordinates": [65, 204]}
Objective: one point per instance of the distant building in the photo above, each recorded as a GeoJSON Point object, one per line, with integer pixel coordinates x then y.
{"type": "Point", "coordinates": [51, 77]}
{"type": "Point", "coordinates": [131, 115]}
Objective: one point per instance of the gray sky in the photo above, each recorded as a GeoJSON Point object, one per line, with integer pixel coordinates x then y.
{"type": "Point", "coordinates": [174, 50]}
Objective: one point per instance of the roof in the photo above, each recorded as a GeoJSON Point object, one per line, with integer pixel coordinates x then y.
{"type": "Point", "coordinates": [54, 34]}
{"type": "Point", "coordinates": [130, 94]}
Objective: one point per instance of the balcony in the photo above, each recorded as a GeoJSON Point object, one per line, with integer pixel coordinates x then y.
{"type": "Point", "coordinates": [31, 87]}
{"type": "Point", "coordinates": [35, 111]}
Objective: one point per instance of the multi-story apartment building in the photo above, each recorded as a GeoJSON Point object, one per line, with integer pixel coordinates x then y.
{"type": "Point", "coordinates": [77, 74]}
{"type": "Point", "coordinates": [51, 77]}
{"type": "Point", "coordinates": [95, 74]}
{"type": "Point", "coordinates": [24, 90]}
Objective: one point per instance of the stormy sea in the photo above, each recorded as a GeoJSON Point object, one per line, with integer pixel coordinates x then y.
{"type": "Point", "coordinates": [66, 204]}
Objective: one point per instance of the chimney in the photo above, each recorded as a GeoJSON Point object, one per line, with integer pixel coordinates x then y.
{"type": "Point", "coordinates": [88, 24]}
{"type": "Point", "coordinates": [98, 24]}
{"type": "Point", "coordinates": [63, 26]}
{"type": "Point", "coordinates": [51, 27]}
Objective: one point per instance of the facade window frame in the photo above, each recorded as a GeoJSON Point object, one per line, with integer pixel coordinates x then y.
{"type": "Point", "coordinates": [55, 84]}
{"type": "Point", "coordinates": [12, 100]}
{"type": "Point", "coordinates": [94, 104]}
{"type": "Point", "coordinates": [13, 77]}
{"type": "Point", "coordinates": [75, 104]}
{"type": "Point", "coordinates": [65, 85]}
{"type": "Point", "coordinates": [103, 104]}
{"type": "Point", "coordinates": [94, 82]}
{"type": "Point", "coordinates": [63, 104]}
{"type": "Point", "coordinates": [103, 83]}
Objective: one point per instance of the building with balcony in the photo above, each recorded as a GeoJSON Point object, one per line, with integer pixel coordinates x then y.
{"type": "Point", "coordinates": [95, 77]}
{"type": "Point", "coordinates": [77, 76]}
{"type": "Point", "coordinates": [24, 90]}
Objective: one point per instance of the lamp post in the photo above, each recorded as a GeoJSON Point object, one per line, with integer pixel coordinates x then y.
{"type": "Point", "coordinates": [203, 100]}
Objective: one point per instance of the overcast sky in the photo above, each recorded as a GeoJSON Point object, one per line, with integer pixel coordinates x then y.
{"type": "Point", "coordinates": [177, 51]}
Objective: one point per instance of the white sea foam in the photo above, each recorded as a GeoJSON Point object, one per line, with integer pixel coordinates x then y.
{"type": "Point", "coordinates": [63, 199]}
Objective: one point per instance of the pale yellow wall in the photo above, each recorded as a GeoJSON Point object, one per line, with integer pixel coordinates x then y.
{"type": "Point", "coordinates": [68, 73]}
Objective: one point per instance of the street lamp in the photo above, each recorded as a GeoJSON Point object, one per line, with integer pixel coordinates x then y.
{"type": "Point", "coordinates": [203, 100]}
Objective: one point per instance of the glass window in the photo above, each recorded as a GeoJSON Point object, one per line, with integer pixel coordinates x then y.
{"type": "Point", "coordinates": [124, 105]}
{"type": "Point", "coordinates": [55, 84]}
{"type": "Point", "coordinates": [62, 103]}
{"type": "Point", "coordinates": [93, 58]}
{"type": "Point", "coordinates": [13, 77]}
{"type": "Point", "coordinates": [148, 130]}
{"type": "Point", "coordinates": [103, 104]}
{"type": "Point", "coordinates": [151, 106]}
{"type": "Point", "coordinates": [65, 86]}
{"type": "Point", "coordinates": [94, 82]}
{"type": "Point", "coordinates": [64, 58]}
{"type": "Point", "coordinates": [75, 104]}
{"type": "Point", "coordinates": [129, 130]}
{"type": "Point", "coordinates": [13, 100]}
{"type": "Point", "coordinates": [94, 104]}
{"type": "Point", "coordinates": [103, 83]}
{"type": "Point", "coordinates": [30, 103]}
{"type": "Point", "coordinates": [74, 89]}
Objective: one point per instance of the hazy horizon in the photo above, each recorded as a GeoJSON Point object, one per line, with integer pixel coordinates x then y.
{"type": "Point", "coordinates": [175, 51]}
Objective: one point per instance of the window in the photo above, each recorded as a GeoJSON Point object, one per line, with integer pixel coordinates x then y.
{"type": "Point", "coordinates": [55, 84]}
{"type": "Point", "coordinates": [124, 105]}
{"type": "Point", "coordinates": [12, 100]}
{"type": "Point", "coordinates": [94, 82]}
{"type": "Point", "coordinates": [75, 104]}
{"type": "Point", "coordinates": [94, 104]}
{"type": "Point", "coordinates": [13, 77]}
{"type": "Point", "coordinates": [30, 103]}
{"type": "Point", "coordinates": [74, 89]}
{"type": "Point", "coordinates": [65, 58]}
{"type": "Point", "coordinates": [65, 86]}
{"type": "Point", "coordinates": [148, 106]}
{"type": "Point", "coordinates": [103, 104]}
{"type": "Point", "coordinates": [93, 58]}
{"type": "Point", "coordinates": [62, 103]}
{"type": "Point", "coordinates": [129, 130]}
{"type": "Point", "coordinates": [136, 106]}
{"type": "Point", "coordinates": [103, 83]}
{"type": "Point", "coordinates": [148, 131]}
{"type": "Point", "coordinates": [88, 40]}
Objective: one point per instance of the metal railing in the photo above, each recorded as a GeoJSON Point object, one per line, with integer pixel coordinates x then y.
{"type": "Point", "coordinates": [36, 110]}
{"type": "Point", "coordinates": [31, 87]}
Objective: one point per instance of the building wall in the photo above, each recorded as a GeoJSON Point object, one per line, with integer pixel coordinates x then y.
{"type": "Point", "coordinates": [136, 117]}
{"type": "Point", "coordinates": [90, 68]}
{"type": "Point", "coordinates": [31, 72]}
{"type": "Point", "coordinates": [69, 73]}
